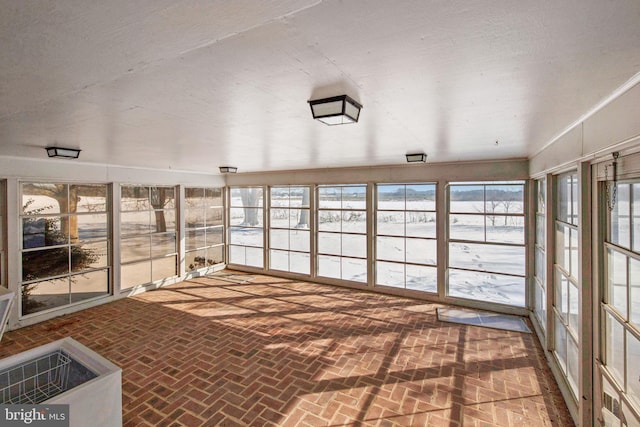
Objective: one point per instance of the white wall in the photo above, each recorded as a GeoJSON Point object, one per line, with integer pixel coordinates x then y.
{"type": "Point", "coordinates": [427, 172]}
{"type": "Point", "coordinates": [614, 126]}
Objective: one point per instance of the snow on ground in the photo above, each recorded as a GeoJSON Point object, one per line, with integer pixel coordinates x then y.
{"type": "Point", "coordinates": [406, 250]}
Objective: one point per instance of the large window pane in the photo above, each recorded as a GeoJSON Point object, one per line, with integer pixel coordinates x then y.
{"type": "Point", "coordinates": [541, 305]}
{"type": "Point", "coordinates": [289, 229]}
{"type": "Point", "coordinates": [633, 368]}
{"type": "Point", "coordinates": [354, 269]}
{"type": "Point", "coordinates": [617, 281]}
{"type": "Point", "coordinates": [148, 227]}
{"type": "Point", "coordinates": [488, 258]}
{"type": "Point", "coordinates": [89, 285]}
{"type": "Point", "coordinates": [467, 227]}
{"type": "Point", "coordinates": [91, 226]}
{"type": "Point", "coordinates": [390, 223]}
{"type": "Point", "coordinates": [70, 224]}
{"type": "Point", "coordinates": [246, 219]}
{"type": "Point", "coordinates": [621, 218]}
{"type": "Point", "coordinates": [573, 364]}
{"type": "Point", "coordinates": [134, 198]}
{"type": "Point", "coordinates": [299, 240]}
{"type": "Point", "coordinates": [162, 268]}
{"type": "Point", "coordinates": [194, 239]}
{"type": "Point", "coordinates": [505, 229]}
{"type": "Point", "coordinates": [246, 236]}
{"type": "Point", "coordinates": [421, 197]}
{"type": "Point", "coordinates": [421, 224]}
{"type": "Point", "coordinates": [634, 294]}
{"type": "Point", "coordinates": [135, 223]}
{"type": "Point", "coordinates": [135, 248]}
{"type": "Point", "coordinates": [562, 296]}
{"type": "Point", "coordinates": [540, 266]}
{"type": "Point", "coordinates": [573, 308]}
{"type": "Point", "coordinates": [279, 260]}
{"type": "Point", "coordinates": [41, 232]}
{"type": "Point", "coordinates": [135, 274]}
{"type": "Point", "coordinates": [204, 227]}
{"type": "Point", "coordinates": [299, 262]}
{"type": "Point", "coordinates": [329, 266]}
{"type": "Point", "coordinates": [560, 344]}
{"type": "Point", "coordinates": [215, 255]}
{"type": "Point", "coordinates": [163, 244]}
{"type": "Point", "coordinates": [390, 274]}
{"type": "Point", "coordinates": [636, 217]}
{"type": "Point", "coordinates": [421, 251]}
{"type": "Point", "coordinates": [614, 345]}
{"type": "Point", "coordinates": [466, 198]}
{"type": "Point", "coordinates": [45, 295]}
{"type": "Point", "coordinates": [487, 213]}
{"type": "Point", "coordinates": [279, 239]}
{"type": "Point", "coordinates": [406, 234]}
{"type": "Point", "coordinates": [44, 198]}
{"type": "Point", "coordinates": [329, 243]}
{"type": "Point", "coordinates": [488, 287]}
{"type": "Point", "coordinates": [87, 198]}
{"type": "Point", "coordinates": [390, 248]}
{"type": "Point", "coordinates": [422, 278]}
{"type": "Point", "coordinates": [354, 245]}
{"type": "Point", "coordinates": [89, 256]}
{"type": "Point", "coordinates": [195, 260]}
{"type": "Point", "coordinates": [45, 263]}
{"type": "Point", "coordinates": [342, 232]}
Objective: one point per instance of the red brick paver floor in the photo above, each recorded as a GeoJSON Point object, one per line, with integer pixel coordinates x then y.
{"type": "Point", "coordinates": [276, 352]}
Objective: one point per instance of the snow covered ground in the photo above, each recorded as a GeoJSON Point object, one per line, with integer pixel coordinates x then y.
{"type": "Point", "coordinates": [489, 264]}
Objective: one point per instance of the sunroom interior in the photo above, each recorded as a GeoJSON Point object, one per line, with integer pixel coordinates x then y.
{"type": "Point", "coordinates": [528, 203]}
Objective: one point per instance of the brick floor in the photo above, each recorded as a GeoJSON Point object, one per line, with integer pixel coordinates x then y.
{"type": "Point", "coordinates": [275, 352]}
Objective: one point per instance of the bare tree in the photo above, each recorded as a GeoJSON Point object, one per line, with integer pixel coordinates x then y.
{"type": "Point", "coordinates": [250, 197]}
{"type": "Point", "coordinates": [303, 221]}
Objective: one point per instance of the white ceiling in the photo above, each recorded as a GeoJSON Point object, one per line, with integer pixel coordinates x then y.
{"type": "Point", "coordinates": [192, 85]}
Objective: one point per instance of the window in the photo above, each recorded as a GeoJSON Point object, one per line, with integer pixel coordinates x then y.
{"type": "Point", "coordinates": [289, 235]}
{"type": "Point", "coordinates": [148, 247]}
{"type": "Point", "coordinates": [3, 254]}
{"type": "Point", "coordinates": [406, 236]}
{"type": "Point", "coordinates": [487, 242]}
{"type": "Point", "coordinates": [622, 303]}
{"type": "Point", "coordinates": [246, 245]}
{"type": "Point", "coordinates": [64, 244]}
{"type": "Point", "coordinates": [204, 228]}
{"type": "Point", "coordinates": [565, 281]}
{"type": "Point", "coordinates": [342, 232]}
{"type": "Point", "coordinates": [540, 257]}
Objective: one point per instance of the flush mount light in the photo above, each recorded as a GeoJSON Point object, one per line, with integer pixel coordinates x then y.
{"type": "Point", "coordinates": [337, 110]}
{"type": "Point", "coordinates": [416, 158]}
{"type": "Point", "coordinates": [228, 169]}
{"type": "Point", "coordinates": [69, 153]}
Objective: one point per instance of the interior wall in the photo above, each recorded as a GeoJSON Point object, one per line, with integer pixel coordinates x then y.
{"type": "Point", "coordinates": [424, 172]}
{"type": "Point", "coordinates": [614, 127]}
{"type": "Point", "coordinates": [77, 171]}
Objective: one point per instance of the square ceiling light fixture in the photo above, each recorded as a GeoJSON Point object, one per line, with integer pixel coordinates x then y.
{"type": "Point", "coordinates": [416, 158]}
{"type": "Point", "coordinates": [228, 169]}
{"type": "Point", "coordinates": [69, 153]}
{"type": "Point", "coordinates": [337, 110]}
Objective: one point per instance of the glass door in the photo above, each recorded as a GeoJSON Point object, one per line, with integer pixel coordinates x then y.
{"type": "Point", "coordinates": [620, 306]}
